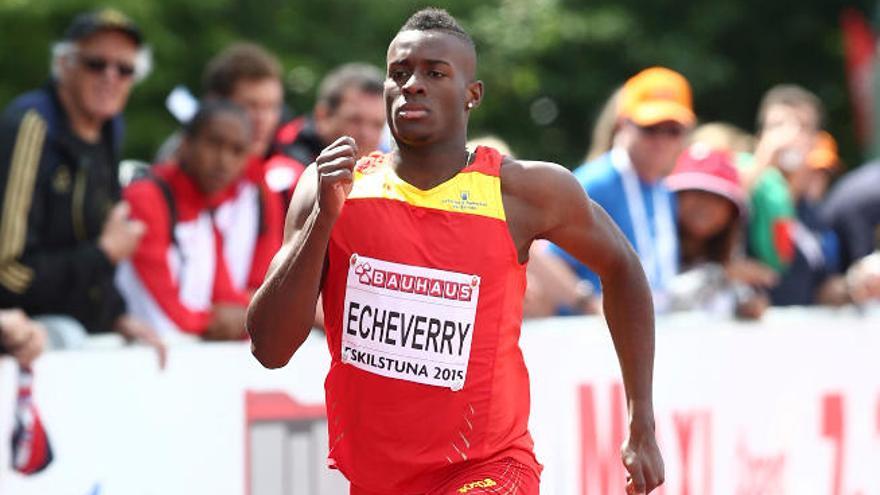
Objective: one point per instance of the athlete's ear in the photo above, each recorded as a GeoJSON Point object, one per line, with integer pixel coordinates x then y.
{"type": "Point", "coordinates": [475, 95]}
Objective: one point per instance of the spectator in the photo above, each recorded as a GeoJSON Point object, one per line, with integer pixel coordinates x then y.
{"type": "Point", "coordinates": [785, 230]}
{"type": "Point", "coordinates": [63, 226]}
{"type": "Point", "coordinates": [252, 223]}
{"type": "Point", "coordinates": [349, 104]}
{"type": "Point", "coordinates": [178, 279]}
{"type": "Point", "coordinates": [852, 209]}
{"type": "Point", "coordinates": [789, 117]}
{"type": "Point", "coordinates": [711, 212]}
{"type": "Point", "coordinates": [250, 76]}
{"type": "Point", "coordinates": [825, 164]}
{"type": "Point", "coordinates": [655, 115]}
{"type": "Point", "coordinates": [21, 337]}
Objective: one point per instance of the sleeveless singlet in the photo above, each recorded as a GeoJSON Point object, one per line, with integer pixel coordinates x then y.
{"type": "Point", "coordinates": [423, 307]}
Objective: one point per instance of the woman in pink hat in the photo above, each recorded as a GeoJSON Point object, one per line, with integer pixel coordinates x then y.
{"type": "Point", "coordinates": [711, 213]}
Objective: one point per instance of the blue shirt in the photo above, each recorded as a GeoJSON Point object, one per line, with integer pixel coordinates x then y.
{"type": "Point", "coordinates": [604, 184]}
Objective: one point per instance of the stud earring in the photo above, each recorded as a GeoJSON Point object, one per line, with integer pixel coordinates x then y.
{"type": "Point", "coordinates": [470, 104]}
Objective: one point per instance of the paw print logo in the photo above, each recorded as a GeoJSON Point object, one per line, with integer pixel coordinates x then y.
{"type": "Point", "coordinates": [363, 272]}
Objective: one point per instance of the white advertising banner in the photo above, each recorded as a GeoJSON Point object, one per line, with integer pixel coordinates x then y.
{"type": "Point", "coordinates": [788, 405]}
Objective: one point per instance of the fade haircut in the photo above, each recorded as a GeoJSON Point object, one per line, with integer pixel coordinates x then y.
{"type": "Point", "coordinates": [239, 62]}
{"type": "Point", "coordinates": [363, 77]}
{"type": "Point", "coordinates": [434, 19]}
{"type": "Point", "coordinates": [790, 95]}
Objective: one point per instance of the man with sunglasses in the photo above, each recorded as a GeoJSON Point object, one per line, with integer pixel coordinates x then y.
{"type": "Point", "coordinates": [63, 228]}
{"type": "Point", "coordinates": [655, 114]}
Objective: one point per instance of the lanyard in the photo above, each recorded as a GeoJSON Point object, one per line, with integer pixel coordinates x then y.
{"type": "Point", "coordinates": [657, 252]}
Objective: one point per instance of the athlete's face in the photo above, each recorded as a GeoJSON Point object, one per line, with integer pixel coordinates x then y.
{"type": "Point", "coordinates": [430, 86]}
{"type": "Point", "coordinates": [216, 156]}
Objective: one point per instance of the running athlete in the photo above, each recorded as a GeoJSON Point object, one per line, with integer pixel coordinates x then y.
{"type": "Point", "coordinates": [420, 257]}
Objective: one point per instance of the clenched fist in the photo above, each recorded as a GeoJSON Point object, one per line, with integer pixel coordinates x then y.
{"type": "Point", "coordinates": [335, 167]}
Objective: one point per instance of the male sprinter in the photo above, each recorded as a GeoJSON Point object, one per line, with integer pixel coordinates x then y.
{"type": "Point", "coordinates": [420, 257]}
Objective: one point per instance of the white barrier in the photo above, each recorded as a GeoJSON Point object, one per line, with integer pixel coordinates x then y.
{"type": "Point", "coordinates": [788, 405]}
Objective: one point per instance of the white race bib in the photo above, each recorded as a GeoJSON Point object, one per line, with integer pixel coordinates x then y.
{"type": "Point", "coordinates": [409, 322]}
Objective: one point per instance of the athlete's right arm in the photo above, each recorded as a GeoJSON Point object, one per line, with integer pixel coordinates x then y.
{"type": "Point", "coordinates": [282, 311]}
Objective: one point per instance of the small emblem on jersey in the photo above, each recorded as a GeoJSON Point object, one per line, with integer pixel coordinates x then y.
{"type": "Point", "coordinates": [409, 322]}
{"type": "Point", "coordinates": [61, 180]}
{"type": "Point", "coordinates": [369, 163]}
{"type": "Point", "coordinates": [464, 202]}
{"type": "Point", "coordinates": [486, 483]}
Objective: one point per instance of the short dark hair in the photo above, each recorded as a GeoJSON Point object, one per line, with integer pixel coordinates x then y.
{"type": "Point", "coordinates": [239, 61]}
{"type": "Point", "coordinates": [208, 110]}
{"type": "Point", "coordinates": [363, 77]}
{"type": "Point", "coordinates": [790, 95]}
{"type": "Point", "coordinates": [434, 19]}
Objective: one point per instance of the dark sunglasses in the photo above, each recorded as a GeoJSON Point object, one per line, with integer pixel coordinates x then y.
{"type": "Point", "coordinates": [671, 130]}
{"type": "Point", "coordinates": [98, 65]}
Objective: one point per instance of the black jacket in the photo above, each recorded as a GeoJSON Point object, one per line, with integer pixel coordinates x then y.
{"type": "Point", "coordinates": [298, 139]}
{"type": "Point", "coordinates": [56, 192]}
{"type": "Point", "coordinates": [852, 209]}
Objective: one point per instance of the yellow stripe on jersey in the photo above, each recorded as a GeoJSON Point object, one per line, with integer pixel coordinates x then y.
{"type": "Point", "coordinates": [472, 193]}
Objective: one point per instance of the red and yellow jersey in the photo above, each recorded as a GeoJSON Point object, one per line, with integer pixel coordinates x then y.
{"type": "Point", "coordinates": [423, 308]}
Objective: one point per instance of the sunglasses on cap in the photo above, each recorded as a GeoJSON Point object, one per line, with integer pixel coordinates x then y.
{"type": "Point", "coordinates": [666, 129]}
{"type": "Point", "coordinates": [98, 65]}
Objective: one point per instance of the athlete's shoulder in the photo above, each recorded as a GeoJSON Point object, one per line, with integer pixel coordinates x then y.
{"type": "Point", "coordinates": [538, 195]}
{"type": "Point", "coordinates": [530, 177]}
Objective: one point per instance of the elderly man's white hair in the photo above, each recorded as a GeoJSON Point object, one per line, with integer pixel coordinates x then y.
{"type": "Point", "coordinates": [64, 51]}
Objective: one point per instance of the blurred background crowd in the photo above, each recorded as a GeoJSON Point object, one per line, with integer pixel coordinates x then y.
{"type": "Point", "coordinates": [145, 176]}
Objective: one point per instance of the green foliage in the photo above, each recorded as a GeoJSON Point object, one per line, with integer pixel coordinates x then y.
{"type": "Point", "coordinates": [548, 65]}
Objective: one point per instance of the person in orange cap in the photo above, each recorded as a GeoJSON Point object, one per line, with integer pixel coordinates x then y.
{"type": "Point", "coordinates": [824, 163]}
{"type": "Point", "coordinates": [655, 114]}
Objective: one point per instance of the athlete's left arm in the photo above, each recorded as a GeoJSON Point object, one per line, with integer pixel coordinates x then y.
{"type": "Point", "coordinates": [543, 200]}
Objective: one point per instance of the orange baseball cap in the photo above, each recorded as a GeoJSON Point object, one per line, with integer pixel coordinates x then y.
{"type": "Point", "coordinates": [823, 156]}
{"type": "Point", "coordinates": [655, 95]}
